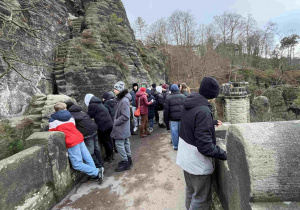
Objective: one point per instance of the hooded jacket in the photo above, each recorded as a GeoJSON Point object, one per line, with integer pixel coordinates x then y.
{"type": "Point", "coordinates": [64, 122]}
{"type": "Point", "coordinates": [111, 104]}
{"type": "Point", "coordinates": [121, 128]}
{"type": "Point", "coordinates": [197, 139]}
{"type": "Point", "coordinates": [140, 95]}
{"type": "Point", "coordinates": [151, 108]}
{"type": "Point", "coordinates": [84, 123]}
{"type": "Point", "coordinates": [132, 93]}
{"type": "Point", "coordinates": [101, 115]}
{"type": "Point", "coordinates": [174, 105]}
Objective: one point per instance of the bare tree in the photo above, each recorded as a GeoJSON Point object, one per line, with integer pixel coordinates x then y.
{"type": "Point", "coordinates": [157, 33]}
{"type": "Point", "coordinates": [140, 28]}
{"type": "Point", "coordinates": [183, 28]}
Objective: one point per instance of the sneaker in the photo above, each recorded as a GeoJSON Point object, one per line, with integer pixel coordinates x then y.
{"type": "Point", "coordinates": [124, 165]}
{"type": "Point", "coordinates": [175, 148]}
{"type": "Point", "coordinates": [135, 129]}
{"type": "Point", "coordinates": [150, 130]}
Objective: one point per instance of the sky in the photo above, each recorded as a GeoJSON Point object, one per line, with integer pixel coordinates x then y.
{"type": "Point", "coordinates": [286, 13]}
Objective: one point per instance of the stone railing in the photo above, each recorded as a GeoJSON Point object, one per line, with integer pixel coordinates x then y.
{"type": "Point", "coordinates": [263, 166]}
{"type": "Point", "coordinates": [39, 176]}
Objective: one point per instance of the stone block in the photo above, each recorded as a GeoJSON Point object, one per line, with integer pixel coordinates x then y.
{"type": "Point", "coordinates": [263, 166]}
{"type": "Point", "coordinates": [25, 180]}
{"type": "Point", "coordinates": [54, 143]}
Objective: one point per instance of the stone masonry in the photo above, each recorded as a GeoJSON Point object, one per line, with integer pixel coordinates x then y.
{"type": "Point", "coordinates": [237, 102]}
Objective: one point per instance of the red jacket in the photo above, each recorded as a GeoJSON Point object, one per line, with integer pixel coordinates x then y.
{"type": "Point", "coordinates": [64, 122]}
{"type": "Point", "coordinates": [143, 100]}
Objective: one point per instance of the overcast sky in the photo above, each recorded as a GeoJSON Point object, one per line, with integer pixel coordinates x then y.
{"type": "Point", "coordinates": [284, 12]}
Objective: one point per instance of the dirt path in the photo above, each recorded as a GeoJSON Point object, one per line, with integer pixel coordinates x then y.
{"type": "Point", "coordinates": [154, 182]}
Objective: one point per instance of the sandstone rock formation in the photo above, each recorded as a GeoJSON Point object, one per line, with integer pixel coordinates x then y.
{"type": "Point", "coordinates": [71, 47]}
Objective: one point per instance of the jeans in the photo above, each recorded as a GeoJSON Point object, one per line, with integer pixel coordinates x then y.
{"type": "Point", "coordinates": [135, 119]}
{"type": "Point", "coordinates": [198, 191]}
{"type": "Point", "coordinates": [107, 142]}
{"type": "Point", "coordinates": [175, 128]}
{"type": "Point", "coordinates": [123, 147]}
{"type": "Point", "coordinates": [92, 145]}
{"type": "Point", "coordinates": [151, 123]}
{"type": "Point", "coordinates": [77, 155]}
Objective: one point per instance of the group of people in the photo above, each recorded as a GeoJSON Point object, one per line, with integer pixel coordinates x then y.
{"type": "Point", "coordinates": [111, 125]}
{"type": "Point", "coordinates": [188, 116]}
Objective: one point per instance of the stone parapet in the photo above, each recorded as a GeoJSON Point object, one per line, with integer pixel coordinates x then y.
{"type": "Point", "coordinates": [39, 176]}
{"type": "Point", "coordinates": [263, 166]}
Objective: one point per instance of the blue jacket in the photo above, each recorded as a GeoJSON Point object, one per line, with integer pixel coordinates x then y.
{"type": "Point", "coordinates": [151, 108]}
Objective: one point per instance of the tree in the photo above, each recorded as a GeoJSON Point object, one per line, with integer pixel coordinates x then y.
{"type": "Point", "coordinates": [157, 33]}
{"type": "Point", "coordinates": [140, 28]}
{"type": "Point", "coordinates": [183, 28]}
{"type": "Point", "coordinates": [289, 43]}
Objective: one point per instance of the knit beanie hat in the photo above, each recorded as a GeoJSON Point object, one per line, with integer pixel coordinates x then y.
{"type": "Point", "coordinates": [69, 104]}
{"type": "Point", "coordinates": [143, 89]}
{"type": "Point", "coordinates": [106, 96]}
{"type": "Point", "coordinates": [88, 98]}
{"type": "Point", "coordinates": [153, 85]}
{"type": "Point", "coordinates": [149, 92]}
{"type": "Point", "coordinates": [120, 86]}
{"type": "Point", "coordinates": [209, 88]}
{"type": "Point", "coordinates": [174, 88]}
{"type": "Point", "coordinates": [164, 86]}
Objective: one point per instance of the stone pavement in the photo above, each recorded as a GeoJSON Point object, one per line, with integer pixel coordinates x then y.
{"type": "Point", "coordinates": [154, 182]}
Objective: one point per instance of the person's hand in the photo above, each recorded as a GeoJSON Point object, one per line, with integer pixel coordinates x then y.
{"type": "Point", "coordinates": [152, 100]}
{"type": "Point", "coordinates": [219, 123]}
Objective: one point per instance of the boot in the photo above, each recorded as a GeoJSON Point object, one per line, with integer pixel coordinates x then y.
{"type": "Point", "coordinates": [124, 165]}
{"type": "Point", "coordinates": [130, 161]}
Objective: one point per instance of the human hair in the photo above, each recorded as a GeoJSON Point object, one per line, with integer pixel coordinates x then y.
{"type": "Point", "coordinates": [184, 87]}
{"type": "Point", "coordinates": [60, 106]}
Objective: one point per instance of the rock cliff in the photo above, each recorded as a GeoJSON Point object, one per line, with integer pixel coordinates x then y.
{"type": "Point", "coordinates": [70, 47]}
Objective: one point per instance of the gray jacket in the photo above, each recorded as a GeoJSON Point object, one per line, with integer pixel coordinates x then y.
{"type": "Point", "coordinates": [121, 128]}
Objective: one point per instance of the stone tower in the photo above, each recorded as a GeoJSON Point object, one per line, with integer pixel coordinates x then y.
{"type": "Point", "coordinates": [237, 102]}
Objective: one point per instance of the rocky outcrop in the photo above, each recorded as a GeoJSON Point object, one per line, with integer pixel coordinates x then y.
{"type": "Point", "coordinates": [70, 47]}
{"type": "Point", "coordinates": [262, 169]}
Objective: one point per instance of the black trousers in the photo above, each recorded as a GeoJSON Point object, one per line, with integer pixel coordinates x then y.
{"type": "Point", "coordinates": [106, 141]}
{"type": "Point", "coordinates": [156, 115]}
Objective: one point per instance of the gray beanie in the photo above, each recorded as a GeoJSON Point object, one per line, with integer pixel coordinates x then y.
{"type": "Point", "coordinates": [120, 86]}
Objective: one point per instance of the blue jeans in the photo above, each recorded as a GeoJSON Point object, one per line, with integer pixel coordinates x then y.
{"type": "Point", "coordinates": [123, 147]}
{"type": "Point", "coordinates": [151, 123]}
{"type": "Point", "coordinates": [175, 128]}
{"type": "Point", "coordinates": [77, 155]}
{"type": "Point", "coordinates": [92, 145]}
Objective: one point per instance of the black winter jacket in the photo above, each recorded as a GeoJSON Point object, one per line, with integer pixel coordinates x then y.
{"type": "Point", "coordinates": [84, 123]}
{"type": "Point", "coordinates": [151, 108]}
{"type": "Point", "coordinates": [173, 106]}
{"type": "Point", "coordinates": [111, 104]}
{"type": "Point", "coordinates": [101, 115]}
{"type": "Point", "coordinates": [159, 102]}
{"type": "Point", "coordinates": [198, 127]}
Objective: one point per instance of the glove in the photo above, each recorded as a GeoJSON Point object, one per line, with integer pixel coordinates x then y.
{"type": "Point", "coordinates": [222, 156]}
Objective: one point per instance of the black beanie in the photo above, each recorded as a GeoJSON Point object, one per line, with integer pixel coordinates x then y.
{"type": "Point", "coordinates": [106, 96]}
{"type": "Point", "coordinates": [209, 88]}
{"type": "Point", "coordinates": [69, 104]}
{"type": "Point", "coordinates": [135, 84]}
{"type": "Point", "coordinates": [153, 85]}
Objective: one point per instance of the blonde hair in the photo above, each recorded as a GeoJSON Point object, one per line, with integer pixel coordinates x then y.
{"type": "Point", "coordinates": [60, 106]}
{"type": "Point", "coordinates": [185, 88]}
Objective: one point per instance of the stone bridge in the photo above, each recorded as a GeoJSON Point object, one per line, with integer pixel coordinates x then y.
{"type": "Point", "coordinates": [262, 171]}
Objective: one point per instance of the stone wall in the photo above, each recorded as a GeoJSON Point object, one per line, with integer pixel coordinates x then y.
{"type": "Point", "coordinates": [263, 166]}
{"type": "Point", "coordinates": [38, 177]}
